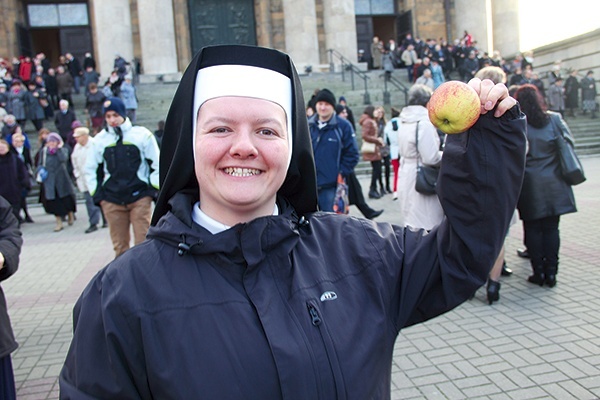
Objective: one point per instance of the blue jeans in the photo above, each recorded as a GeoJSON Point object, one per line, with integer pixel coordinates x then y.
{"type": "Point", "coordinates": [92, 209]}
{"type": "Point", "coordinates": [76, 83]}
{"type": "Point", "coordinates": [326, 197]}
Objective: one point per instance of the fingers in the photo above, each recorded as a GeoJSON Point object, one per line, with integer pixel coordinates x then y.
{"type": "Point", "coordinates": [492, 95]}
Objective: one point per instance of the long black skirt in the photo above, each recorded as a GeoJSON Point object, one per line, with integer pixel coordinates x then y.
{"type": "Point", "coordinates": [59, 206]}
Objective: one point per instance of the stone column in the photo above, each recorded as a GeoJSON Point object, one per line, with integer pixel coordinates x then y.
{"type": "Point", "coordinates": [505, 17]}
{"type": "Point", "coordinates": [340, 27]}
{"type": "Point", "coordinates": [112, 22]}
{"type": "Point", "coordinates": [157, 37]}
{"type": "Point", "coordinates": [472, 16]}
{"type": "Point", "coordinates": [301, 42]}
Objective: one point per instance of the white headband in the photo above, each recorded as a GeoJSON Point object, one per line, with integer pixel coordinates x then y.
{"type": "Point", "coordinates": [243, 81]}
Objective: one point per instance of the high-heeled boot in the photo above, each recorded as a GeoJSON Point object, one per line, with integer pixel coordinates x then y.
{"type": "Point", "coordinates": [59, 224]}
{"type": "Point", "coordinates": [493, 291]}
{"type": "Point", "coordinates": [538, 275]}
{"type": "Point", "coordinates": [550, 271]}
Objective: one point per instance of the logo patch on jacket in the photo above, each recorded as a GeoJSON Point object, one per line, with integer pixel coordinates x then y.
{"type": "Point", "coordinates": [327, 296]}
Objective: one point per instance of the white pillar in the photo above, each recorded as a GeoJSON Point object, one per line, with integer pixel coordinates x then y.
{"type": "Point", "coordinates": [301, 41]}
{"type": "Point", "coordinates": [340, 27]}
{"type": "Point", "coordinates": [472, 16]}
{"type": "Point", "coordinates": [157, 36]}
{"type": "Point", "coordinates": [112, 22]}
{"type": "Point", "coordinates": [505, 15]}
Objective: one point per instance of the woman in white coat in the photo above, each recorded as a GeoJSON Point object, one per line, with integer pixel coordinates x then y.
{"type": "Point", "coordinates": [417, 210]}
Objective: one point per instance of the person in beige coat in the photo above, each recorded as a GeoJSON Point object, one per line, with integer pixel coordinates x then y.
{"type": "Point", "coordinates": [417, 210]}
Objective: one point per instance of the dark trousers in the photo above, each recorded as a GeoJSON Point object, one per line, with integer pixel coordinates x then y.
{"type": "Point", "coordinates": [542, 240]}
{"type": "Point", "coordinates": [376, 174]}
{"type": "Point", "coordinates": [387, 172]}
{"type": "Point", "coordinates": [7, 379]}
{"type": "Point", "coordinates": [356, 196]}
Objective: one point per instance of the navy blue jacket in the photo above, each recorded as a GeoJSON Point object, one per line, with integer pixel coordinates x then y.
{"type": "Point", "coordinates": [335, 149]}
{"type": "Point", "coordinates": [291, 307]}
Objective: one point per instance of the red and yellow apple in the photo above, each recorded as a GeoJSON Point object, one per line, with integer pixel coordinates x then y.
{"type": "Point", "coordinates": [454, 107]}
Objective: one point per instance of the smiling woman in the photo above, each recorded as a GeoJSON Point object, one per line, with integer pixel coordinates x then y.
{"type": "Point", "coordinates": [241, 160]}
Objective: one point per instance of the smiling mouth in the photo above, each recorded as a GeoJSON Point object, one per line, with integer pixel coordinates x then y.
{"type": "Point", "coordinates": [242, 171]}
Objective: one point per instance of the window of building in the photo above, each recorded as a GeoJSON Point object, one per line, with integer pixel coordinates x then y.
{"type": "Point", "coordinates": [46, 15]}
{"type": "Point", "coordinates": [373, 7]}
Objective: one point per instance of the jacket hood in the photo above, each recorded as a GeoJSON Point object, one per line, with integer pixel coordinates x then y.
{"type": "Point", "coordinates": [363, 118]}
{"type": "Point", "coordinates": [177, 153]}
{"type": "Point", "coordinates": [413, 114]}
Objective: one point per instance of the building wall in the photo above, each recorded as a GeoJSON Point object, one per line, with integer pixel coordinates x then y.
{"type": "Point", "coordinates": [9, 42]}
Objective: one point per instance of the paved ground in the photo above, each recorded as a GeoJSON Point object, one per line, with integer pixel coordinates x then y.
{"type": "Point", "coordinates": [536, 343]}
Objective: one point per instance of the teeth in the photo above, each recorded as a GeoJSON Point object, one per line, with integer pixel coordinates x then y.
{"type": "Point", "coordinates": [242, 171]}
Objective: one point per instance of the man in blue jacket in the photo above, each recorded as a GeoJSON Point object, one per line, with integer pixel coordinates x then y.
{"type": "Point", "coordinates": [334, 147]}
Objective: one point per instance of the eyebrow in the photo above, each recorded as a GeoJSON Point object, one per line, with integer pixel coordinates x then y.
{"type": "Point", "coordinates": [228, 120]}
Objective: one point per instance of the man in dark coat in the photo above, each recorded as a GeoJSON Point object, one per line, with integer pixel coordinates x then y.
{"type": "Point", "coordinates": [10, 249]}
{"type": "Point", "coordinates": [75, 70]}
{"type": "Point", "coordinates": [63, 120]}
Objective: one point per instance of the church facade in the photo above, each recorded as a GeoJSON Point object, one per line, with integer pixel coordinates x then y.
{"type": "Point", "coordinates": [163, 35]}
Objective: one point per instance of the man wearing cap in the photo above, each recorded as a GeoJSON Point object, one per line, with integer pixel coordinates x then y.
{"type": "Point", "coordinates": [78, 158]}
{"type": "Point", "coordinates": [334, 147]}
{"type": "Point", "coordinates": [127, 179]}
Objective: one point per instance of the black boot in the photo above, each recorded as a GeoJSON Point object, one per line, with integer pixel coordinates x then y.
{"type": "Point", "coordinates": [538, 275]}
{"type": "Point", "coordinates": [493, 291]}
{"type": "Point", "coordinates": [550, 272]}
{"type": "Point", "coordinates": [373, 194]}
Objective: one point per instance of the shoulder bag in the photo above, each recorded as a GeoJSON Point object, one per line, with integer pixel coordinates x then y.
{"type": "Point", "coordinates": [368, 147]}
{"type": "Point", "coordinates": [570, 166]}
{"type": "Point", "coordinates": [41, 174]}
{"type": "Point", "coordinates": [426, 175]}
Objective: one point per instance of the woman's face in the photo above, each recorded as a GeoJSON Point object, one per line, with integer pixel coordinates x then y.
{"type": "Point", "coordinates": [3, 149]}
{"type": "Point", "coordinates": [52, 144]}
{"type": "Point", "coordinates": [241, 157]}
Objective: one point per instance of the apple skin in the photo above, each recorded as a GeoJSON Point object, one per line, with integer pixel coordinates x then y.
{"type": "Point", "coordinates": [454, 107]}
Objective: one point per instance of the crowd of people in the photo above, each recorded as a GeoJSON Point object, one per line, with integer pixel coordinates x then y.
{"type": "Point", "coordinates": [33, 89]}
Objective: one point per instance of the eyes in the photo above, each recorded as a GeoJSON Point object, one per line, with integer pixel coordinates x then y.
{"type": "Point", "coordinates": [266, 132]}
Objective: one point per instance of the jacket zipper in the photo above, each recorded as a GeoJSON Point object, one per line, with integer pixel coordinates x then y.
{"type": "Point", "coordinates": [317, 321]}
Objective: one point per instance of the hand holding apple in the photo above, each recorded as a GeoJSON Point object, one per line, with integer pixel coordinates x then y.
{"type": "Point", "coordinates": [455, 106]}
{"type": "Point", "coordinates": [492, 95]}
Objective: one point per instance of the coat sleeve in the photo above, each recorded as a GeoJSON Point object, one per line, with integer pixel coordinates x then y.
{"type": "Point", "coordinates": [93, 160]}
{"type": "Point", "coordinates": [112, 368]}
{"type": "Point", "coordinates": [151, 154]}
{"type": "Point", "coordinates": [478, 186]}
{"type": "Point", "coordinates": [10, 240]}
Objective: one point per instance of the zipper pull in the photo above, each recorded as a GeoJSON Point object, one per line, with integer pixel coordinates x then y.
{"type": "Point", "coordinates": [314, 315]}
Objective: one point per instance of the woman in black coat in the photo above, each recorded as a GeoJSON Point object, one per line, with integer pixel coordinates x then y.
{"type": "Point", "coordinates": [545, 196]}
{"type": "Point", "coordinates": [10, 248]}
{"type": "Point", "coordinates": [571, 93]}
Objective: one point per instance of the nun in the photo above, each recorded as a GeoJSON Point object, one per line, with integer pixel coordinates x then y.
{"type": "Point", "coordinates": [243, 289]}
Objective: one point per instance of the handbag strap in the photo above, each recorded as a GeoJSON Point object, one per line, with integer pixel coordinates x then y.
{"type": "Point", "coordinates": [417, 144]}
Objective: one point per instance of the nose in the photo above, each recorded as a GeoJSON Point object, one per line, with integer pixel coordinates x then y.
{"type": "Point", "coordinates": [244, 145]}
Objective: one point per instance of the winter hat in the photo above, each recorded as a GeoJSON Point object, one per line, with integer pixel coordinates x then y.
{"type": "Point", "coordinates": [54, 137]}
{"type": "Point", "coordinates": [326, 96]}
{"type": "Point", "coordinates": [76, 124]}
{"type": "Point", "coordinates": [114, 104]}
{"type": "Point", "coordinates": [81, 131]}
